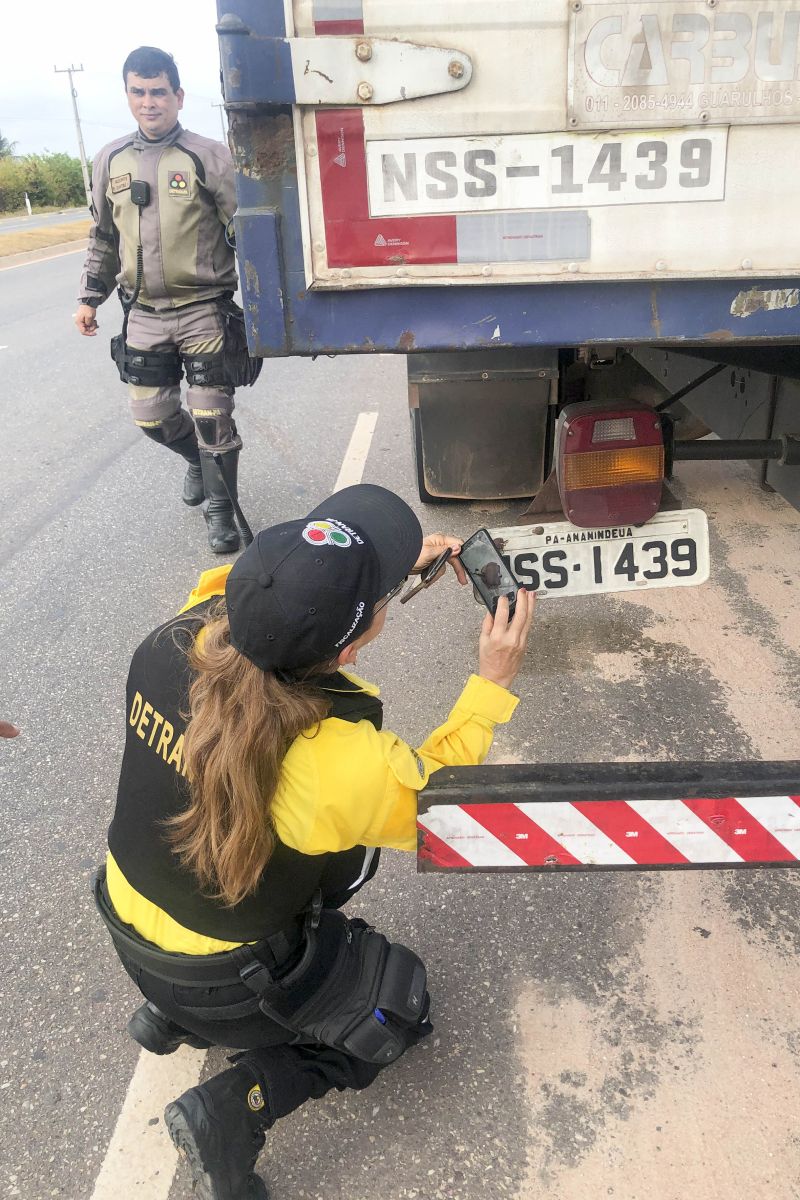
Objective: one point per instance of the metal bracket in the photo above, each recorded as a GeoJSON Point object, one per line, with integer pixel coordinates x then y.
{"type": "Point", "coordinates": [611, 817]}
{"type": "Point", "coordinates": [352, 71]}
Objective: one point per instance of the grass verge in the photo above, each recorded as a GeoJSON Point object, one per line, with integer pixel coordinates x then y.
{"type": "Point", "coordinates": [51, 235]}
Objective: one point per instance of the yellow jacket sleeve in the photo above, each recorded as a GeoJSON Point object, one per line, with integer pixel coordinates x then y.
{"type": "Point", "coordinates": [366, 782]}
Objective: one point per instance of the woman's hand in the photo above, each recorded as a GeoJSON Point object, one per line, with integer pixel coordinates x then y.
{"type": "Point", "coordinates": [503, 643]}
{"type": "Point", "coordinates": [432, 547]}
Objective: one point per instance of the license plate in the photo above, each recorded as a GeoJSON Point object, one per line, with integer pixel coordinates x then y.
{"type": "Point", "coordinates": [520, 172]}
{"type": "Point", "coordinates": [559, 559]}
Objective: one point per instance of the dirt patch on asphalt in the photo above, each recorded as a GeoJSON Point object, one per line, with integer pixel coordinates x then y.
{"type": "Point", "coordinates": [685, 1084]}
{"type": "Point", "coordinates": [36, 239]}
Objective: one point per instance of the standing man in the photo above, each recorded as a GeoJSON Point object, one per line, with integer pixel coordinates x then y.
{"type": "Point", "coordinates": [162, 201]}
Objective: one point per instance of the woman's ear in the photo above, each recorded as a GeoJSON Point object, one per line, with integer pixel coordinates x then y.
{"type": "Point", "coordinates": [347, 657]}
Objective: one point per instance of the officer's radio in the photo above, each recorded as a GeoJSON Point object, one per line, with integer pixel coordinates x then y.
{"type": "Point", "coordinates": [140, 193]}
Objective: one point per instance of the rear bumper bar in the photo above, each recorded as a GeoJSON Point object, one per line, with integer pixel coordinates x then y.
{"type": "Point", "coordinates": [611, 817]}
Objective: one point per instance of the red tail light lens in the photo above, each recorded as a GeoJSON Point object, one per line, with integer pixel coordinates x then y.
{"type": "Point", "coordinates": [609, 463]}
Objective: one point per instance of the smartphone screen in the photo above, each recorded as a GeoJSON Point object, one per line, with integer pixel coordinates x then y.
{"type": "Point", "coordinates": [490, 576]}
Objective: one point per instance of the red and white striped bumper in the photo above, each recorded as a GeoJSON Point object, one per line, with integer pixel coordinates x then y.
{"type": "Point", "coordinates": [546, 818]}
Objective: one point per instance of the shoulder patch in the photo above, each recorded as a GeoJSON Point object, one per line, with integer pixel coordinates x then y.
{"type": "Point", "coordinates": [178, 184]}
{"type": "Point", "coordinates": [120, 183]}
{"type": "Point", "coordinates": [420, 766]}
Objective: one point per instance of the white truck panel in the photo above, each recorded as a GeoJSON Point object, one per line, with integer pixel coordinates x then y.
{"type": "Point", "coordinates": [697, 176]}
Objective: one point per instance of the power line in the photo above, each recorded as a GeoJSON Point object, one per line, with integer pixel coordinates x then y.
{"type": "Point", "coordinates": [69, 71]}
{"type": "Point", "coordinates": [221, 108]}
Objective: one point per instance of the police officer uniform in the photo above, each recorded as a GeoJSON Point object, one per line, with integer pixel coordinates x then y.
{"type": "Point", "coordinates": [347, 789]}
{"type": "Point", "coordinates": [161, 209]}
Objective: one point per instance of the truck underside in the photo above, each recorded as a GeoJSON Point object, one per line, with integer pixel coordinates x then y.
{"type": "Point", "coordinates": [483, 421]}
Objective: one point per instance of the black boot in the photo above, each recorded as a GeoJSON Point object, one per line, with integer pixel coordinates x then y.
{"type": "Point", "coordinates": [223, 534]}
{"type": "Point", "coordinates": [150, 1028]}
{"type": "Point", "coordinates": [193, 490]}
{"type": "Point", "coordinates": [219, 1128]}
{"type": "Point", "coordinates": [186, 446]}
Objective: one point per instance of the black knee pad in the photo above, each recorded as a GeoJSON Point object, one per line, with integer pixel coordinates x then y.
{"type": "Point", "coordinates": [216, 430]}
{"type": "Point", "coordinates": [172, 429]}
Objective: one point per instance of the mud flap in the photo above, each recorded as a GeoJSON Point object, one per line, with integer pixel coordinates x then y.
{"type": "Point", "coordinates": [480, 422]}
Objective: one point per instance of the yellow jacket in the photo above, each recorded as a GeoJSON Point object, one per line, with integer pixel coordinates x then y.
{"type": "Point", "coordinates": [348, 785]}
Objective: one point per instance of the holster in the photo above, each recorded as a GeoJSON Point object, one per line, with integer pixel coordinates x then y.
{"type": "Point", "coordinates": [352, 989]}
{"type": "Point", "coordinates": [147, 368]}
{"type": "Point", "coordinates": [232, 366]}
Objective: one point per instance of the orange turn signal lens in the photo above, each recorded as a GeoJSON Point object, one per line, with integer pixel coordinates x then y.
{"type": "Point", "coordinates": [610, 468]}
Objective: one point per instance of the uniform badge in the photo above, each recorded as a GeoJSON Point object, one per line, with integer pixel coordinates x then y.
{"type": "Point", "coordinates": [120, 183]}
{"type": "Point", "coordinates": [255, 1099]}
{"type": "Point", "coordinates": [178, 184]}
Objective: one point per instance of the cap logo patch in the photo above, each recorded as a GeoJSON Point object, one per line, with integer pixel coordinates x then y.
{"type": "Point", "coordinates": [324, 533]}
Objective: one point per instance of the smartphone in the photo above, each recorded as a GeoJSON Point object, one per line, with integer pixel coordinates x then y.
{"type": "Point", "coordinates": [490, 576]}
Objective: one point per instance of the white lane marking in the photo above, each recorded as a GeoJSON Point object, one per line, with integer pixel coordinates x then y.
{"type": "Point", "coordinates": [50, 257]}
{"type": "Point", "coordinates": [779, 815]}
{"type": "Point", "coordinates": [355, 457]}
{"type": "Point", "coordinates": [468, 838]}
{"type": "Point", "coordinates": [141, 1160]}
{"type": "Point", "coordinates": [685, 831]}
{"type": "Point", "coordinates": [576, 833]}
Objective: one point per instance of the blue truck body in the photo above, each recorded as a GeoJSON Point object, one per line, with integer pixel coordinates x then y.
{"type": "Point", "coordinates": [285, 317]}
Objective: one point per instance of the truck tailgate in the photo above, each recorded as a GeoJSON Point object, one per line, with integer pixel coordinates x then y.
{"type": "Point", "coordinates": [606, 141]}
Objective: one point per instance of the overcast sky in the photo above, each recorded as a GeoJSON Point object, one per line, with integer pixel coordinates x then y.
{"type": "Point", "coordinates": [35, 105]}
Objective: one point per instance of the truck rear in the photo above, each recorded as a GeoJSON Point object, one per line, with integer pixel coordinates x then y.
{"type": "Point", "coordinates": [576, 218]}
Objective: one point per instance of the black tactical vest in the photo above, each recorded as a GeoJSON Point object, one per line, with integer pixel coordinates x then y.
{"type": "Point", "coordinates": [152, 788]}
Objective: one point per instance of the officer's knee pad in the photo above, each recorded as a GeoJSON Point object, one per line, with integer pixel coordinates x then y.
{"type": "Point", "coordinates": [168, 430]}
{"type": "Point", "coordinates": [216, 430]}
{"type": "Point", "coordinates": [151, 429]}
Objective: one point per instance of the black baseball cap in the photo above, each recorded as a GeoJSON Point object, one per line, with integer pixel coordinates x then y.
{"type": "Point", "coordinates": [304, 590]}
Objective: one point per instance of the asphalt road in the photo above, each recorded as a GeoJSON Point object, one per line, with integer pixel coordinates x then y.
{"type": "Point", "coordinates": [634, 1036]}
{"type": "Point", "coordinates": [40, 220]}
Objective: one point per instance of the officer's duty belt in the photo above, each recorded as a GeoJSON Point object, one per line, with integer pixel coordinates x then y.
{"type": "Point", "coordinates": [214, 970]}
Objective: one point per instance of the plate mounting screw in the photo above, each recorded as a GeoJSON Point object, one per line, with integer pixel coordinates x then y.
{"type": "Point", "coordinates": [365, 91]}
{"type": "Point", "coordinates": [455, 69]}
{"type": "Point", "coordinates": [363, 51]}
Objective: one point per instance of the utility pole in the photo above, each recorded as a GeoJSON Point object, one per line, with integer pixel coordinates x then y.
{"type": "Point", "coordinates": [221, 108]}
{"type": "Point", "coordinates": [69, 71]}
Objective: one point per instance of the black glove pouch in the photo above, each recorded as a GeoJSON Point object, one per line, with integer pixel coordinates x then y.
{"type": "Point", "coordinates": [242, 370]}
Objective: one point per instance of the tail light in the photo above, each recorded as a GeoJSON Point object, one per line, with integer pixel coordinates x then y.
{"type": "Point", "coordinates": [609, 463]}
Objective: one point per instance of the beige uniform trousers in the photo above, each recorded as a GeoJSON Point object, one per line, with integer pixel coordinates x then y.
{"type": "Point", "coordinates": [196, 329]}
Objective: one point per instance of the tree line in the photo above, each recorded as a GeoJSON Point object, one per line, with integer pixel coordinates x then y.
{"type": "Point", "coordinates": [50, 179]}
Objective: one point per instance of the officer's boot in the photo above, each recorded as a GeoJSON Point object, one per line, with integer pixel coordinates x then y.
{"type": "Point", "coordinates": [152, 1029]}
{"type": "Point", "coordinates": [219, 1128]}
{"type": "Point", "coordinates": [186, 446]}
{"type": "Point", "coordinates": [223, 535]}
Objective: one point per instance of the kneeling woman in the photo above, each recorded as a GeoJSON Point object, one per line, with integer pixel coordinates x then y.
{"type": "Point", "coordinates": [256, 789]}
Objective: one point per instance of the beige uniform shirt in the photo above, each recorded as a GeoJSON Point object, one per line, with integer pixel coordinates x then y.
{"type": "Point", "coordinates": [185, 255]}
